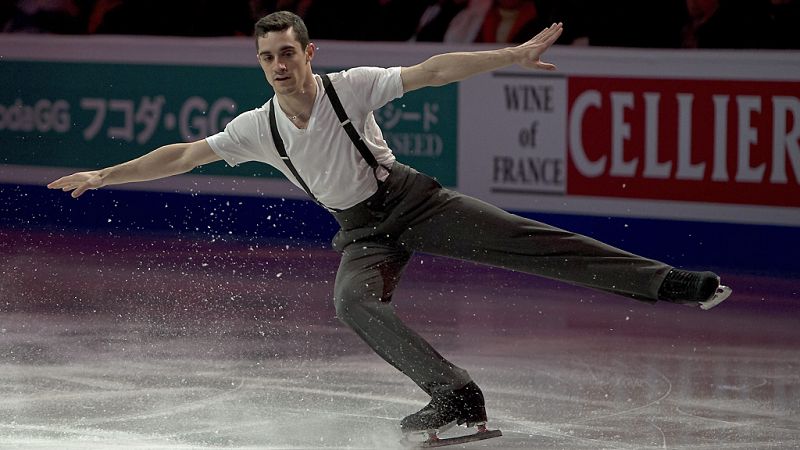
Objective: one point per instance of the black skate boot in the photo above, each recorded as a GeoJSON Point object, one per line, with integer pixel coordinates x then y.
{"type": "Point", "coordinates": [461, 406]}
{"type": "Point", "coordinates": [693, 288]}
{"type": "Point", "coordinates": [464, 406]}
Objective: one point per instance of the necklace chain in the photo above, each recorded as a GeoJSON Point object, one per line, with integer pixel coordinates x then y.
{"type": "Point", "coordinates": [295, 116]}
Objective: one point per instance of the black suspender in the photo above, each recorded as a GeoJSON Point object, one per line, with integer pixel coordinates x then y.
{"type": "Point", "coordinates": [347, 124]}
{"type": "Point", "coordinates": [278, 141]}
{"type": "Point", "coordinates": [351, 131]}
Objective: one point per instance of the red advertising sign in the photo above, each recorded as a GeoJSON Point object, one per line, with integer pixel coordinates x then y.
{"type": "Point", "coordinates": [717, 141]}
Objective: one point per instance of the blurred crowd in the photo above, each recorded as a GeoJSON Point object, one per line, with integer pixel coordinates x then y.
{"type": "Point", "coordinates": [617, 23]}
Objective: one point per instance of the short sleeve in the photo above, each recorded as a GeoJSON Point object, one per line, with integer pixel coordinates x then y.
{"type": "Point", "coordinates": [236, 144]}
{"type": "Point", "coordinates": [377, 86]}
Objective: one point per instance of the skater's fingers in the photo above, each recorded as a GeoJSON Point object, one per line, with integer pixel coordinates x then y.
{"type": "Point", "coordinates": [79, 190]}
{"type": "Point", "coordinates": [68, 180]}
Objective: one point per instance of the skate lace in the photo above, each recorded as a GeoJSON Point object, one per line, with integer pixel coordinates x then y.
{"type": "Point", "coordinates": [686, 278]}
{"type": "Point", "coordinates": [681, 282]}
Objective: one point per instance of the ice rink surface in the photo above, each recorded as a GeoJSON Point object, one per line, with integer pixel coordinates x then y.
{"type": "Point", "coordinates": [169, 342]}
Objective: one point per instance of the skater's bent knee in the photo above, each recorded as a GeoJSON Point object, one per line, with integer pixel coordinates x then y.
{"type": "Point", "coordinates": [346, 306]}
{"type": "Point", "coordinates": [352, 306]}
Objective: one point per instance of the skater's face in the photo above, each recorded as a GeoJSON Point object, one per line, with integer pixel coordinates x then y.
{"type": "Point", "coordinates": [286, 65]}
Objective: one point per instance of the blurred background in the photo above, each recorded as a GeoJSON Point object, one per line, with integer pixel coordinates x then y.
{"type": "Point", "coordinates": [616, 23]}
{"type": "Point", "coordinates": [196, 311]}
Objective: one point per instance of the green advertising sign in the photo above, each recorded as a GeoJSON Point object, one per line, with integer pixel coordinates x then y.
{"type": "Point", "coordinates": [62, 114]}
{"type": "Point", "coordinates": [422, 128]}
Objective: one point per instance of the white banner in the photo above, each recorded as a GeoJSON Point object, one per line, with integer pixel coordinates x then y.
{"type": "Point", "coordinates": [711, 136]}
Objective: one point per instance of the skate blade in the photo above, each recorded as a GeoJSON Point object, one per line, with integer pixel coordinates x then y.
{"type": "Point", "coordinates": [434, 441]}
{"type": "Point", "coordinates": [722, 293]}
{"type": "Point", "coordinates": [416, 438]}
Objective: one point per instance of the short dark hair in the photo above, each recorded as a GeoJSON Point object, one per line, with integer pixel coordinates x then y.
{"type": "Point", "coordinates": [280, 21]}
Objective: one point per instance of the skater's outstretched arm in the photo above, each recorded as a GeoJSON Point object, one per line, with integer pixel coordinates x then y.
{"type": "Point", "coordinates": [449, 67]}
{"type": "Point", "coordinates": [162, 162]}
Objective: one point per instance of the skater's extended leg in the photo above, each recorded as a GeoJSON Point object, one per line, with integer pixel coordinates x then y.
{"type": "Point", "coordinates": [367, 276]}
{"type": "Point", "coordinates": [463, 227]}
{"type": "Point", "coordinates": [460, 226]}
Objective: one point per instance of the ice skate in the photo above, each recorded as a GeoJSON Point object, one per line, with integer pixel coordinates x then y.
{"type": "Point", "coordinates": [701, 289]}
{"type": "Point", "coordinates": [464, 406]}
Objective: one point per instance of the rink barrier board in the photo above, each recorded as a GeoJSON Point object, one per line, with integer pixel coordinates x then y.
{"type": "Point", "coordinates": [727, 247]}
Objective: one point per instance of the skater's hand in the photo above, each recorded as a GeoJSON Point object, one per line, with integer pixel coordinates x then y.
{"type": "Point", "coordinates": [531, 51]}
{"type": "Point", "coordinates": [445, 68]}
{"type": "Point", "coordinates": [78, 183]}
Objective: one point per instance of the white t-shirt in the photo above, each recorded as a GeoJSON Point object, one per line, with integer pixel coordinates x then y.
{"type": "Point", "coordinates": [322, 153]}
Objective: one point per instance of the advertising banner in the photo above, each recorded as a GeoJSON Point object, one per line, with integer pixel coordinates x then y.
{"type": "Point", "coordinates": [516, 139]}
{"type": "Point", "coordinates": [95, 115]}
{"type": "Point", "coordinates": [713, 137]}
{"type": "Point", "coordinates": [715, 141]}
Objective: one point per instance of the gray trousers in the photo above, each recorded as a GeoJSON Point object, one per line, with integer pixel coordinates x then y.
{"type": "Point", "coordinates": [412, 212]}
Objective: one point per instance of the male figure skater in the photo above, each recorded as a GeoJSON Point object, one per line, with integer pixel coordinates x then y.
{"type": "Point", "coordinates": [388, 210]}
